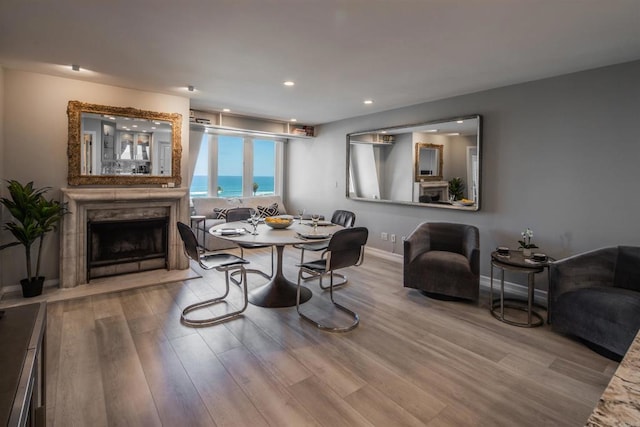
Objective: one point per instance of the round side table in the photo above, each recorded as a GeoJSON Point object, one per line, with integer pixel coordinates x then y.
{"type": "Point", "coordinates": [516, 262]}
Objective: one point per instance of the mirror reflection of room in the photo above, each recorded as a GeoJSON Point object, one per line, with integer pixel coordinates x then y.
{"type": "Point", "coordinates": [434, 164]}
{"type": "Point", "coordinates": [115, 145]}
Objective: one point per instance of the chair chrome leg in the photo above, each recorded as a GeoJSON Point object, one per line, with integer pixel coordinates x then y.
{"type": "Point", "coordinates": [252, 270]}
{"type": "Point", "coordinates": [213, 320]}
{"type": "Point", "coordinates": [354, 315]}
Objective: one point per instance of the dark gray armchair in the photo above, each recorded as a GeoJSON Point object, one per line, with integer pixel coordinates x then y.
{"type": "Point", "coordinates": [443, 258]}
{"type": "Point", "coordinates": [595, 296]}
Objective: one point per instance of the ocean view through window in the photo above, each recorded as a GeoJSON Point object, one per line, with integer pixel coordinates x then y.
{"type": "Point", "coordinates": [231, 186]}
{"type": "Point", "coordinates": [236, 166]}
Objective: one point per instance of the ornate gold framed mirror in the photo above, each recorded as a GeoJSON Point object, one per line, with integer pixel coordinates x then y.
{"type": "Point", "coordinates": [122, 145]}
{"type": "Point", "coordinates": [428, 162]}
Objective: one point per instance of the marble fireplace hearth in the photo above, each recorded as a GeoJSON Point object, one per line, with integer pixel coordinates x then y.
{"type": "Point", "coordinates": [117, 204]}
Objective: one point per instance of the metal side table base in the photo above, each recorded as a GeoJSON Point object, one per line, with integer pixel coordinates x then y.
{"type": "Point", "coordinates": [498, 305]}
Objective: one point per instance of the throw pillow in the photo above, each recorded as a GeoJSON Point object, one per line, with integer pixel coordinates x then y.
{"type": "Point", "coordinates": [271, 210]}
{"type": "Point", "coordinates": [627, 274]}
{"type": "Point", "coordinates": [220, 213]}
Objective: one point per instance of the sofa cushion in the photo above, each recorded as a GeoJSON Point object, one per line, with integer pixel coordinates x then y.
{"type": "Point", "coordinates": [627, 273]}
{"type": "Point", "coordinates": [205, 205]}
{"type": "Point", "coordinates": [271, 210]}
{"type": "Point", "coordinates": [220, 213]}
{"type": "Point", "coordinates": [255, 201]}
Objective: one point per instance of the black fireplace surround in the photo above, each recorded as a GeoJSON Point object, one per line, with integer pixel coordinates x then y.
{"type": "Point", "coordinates": [126, 242]}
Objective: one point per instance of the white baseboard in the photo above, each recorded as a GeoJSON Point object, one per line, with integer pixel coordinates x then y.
{"type": "Point", "coordinates": [510, 288]}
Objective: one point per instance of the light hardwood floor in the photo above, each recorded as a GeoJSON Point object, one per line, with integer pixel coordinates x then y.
{"type": "Point", "coordinates": [124, 359]}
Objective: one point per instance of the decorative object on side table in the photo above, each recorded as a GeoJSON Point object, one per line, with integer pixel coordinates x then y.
{"type": "Point", "coordinates": [33, 217]}
{"type": "Point", "coordinates": [525, 243]}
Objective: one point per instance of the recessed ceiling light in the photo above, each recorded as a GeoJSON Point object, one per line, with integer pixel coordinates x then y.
{"type": "Point", "coordinates": [75, 67]}
{"type": "Point", "coordinates": [432, 130]}
{"type": "Point", "coordinates": [460, 121]}
{"type": "Point", "coordinates": [453, 134]}
{"type": "Point", "coordinates": [289, 83]}
{"type": "Point", "coordinates": [293, 120]}
{"type": "Point", "coordinates": [134, 126]}
{"type": "Point", "coordinates": [225, 110]}
{"type": "Point", "coordinates": [153, 127]}
{"type": "Point", "coordinates": [368, 101]}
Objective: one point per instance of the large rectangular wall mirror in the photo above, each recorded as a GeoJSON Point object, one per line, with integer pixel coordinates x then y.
{"type": "Point", "coordinates": [122, 146]}
{"type": "Point", "coordinates": [434, 164]}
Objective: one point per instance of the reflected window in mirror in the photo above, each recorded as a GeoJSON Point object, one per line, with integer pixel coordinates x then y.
{"type": "Point", "coordinates": [415, 164]}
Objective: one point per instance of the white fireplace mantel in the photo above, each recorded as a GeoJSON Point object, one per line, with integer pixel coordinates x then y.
{"type": "Point", "coordinates": [117, 201]}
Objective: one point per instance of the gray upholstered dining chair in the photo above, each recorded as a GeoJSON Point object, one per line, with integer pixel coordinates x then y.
{"type": "Point", "coordinates": [241, 214]}
{"type": "Point", "coordinates": [344, 218]}
{"type": "Point", "coordinates": [345, 249]}
{"type": "Point", "coordinates": [443, 259]}
{"type": "Point", "coordinates": [209, 261]}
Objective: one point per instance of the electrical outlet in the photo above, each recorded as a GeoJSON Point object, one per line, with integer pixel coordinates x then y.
{"type": "Point", "coordinates": [393, 238]}
{"type": "Point", "coordinates": [383, 236]}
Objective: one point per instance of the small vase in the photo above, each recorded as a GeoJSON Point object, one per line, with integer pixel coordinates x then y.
{"type": "Point", "coordinates": [526, 252]}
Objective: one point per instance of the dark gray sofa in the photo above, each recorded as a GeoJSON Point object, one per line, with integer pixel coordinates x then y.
{"type": "Point", "coordinates": [442, 258]}
{"type": "Point", "coordinates": [595, 296]}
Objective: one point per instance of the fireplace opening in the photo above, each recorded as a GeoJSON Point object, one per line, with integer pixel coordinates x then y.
{"type": "Point", "coordinates": [126, 246]}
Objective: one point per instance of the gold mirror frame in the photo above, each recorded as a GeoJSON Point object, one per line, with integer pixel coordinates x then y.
{"type": "Point", "coordinates": [420, 177]}
{"type": "Point", "coordinates": [74, 147]}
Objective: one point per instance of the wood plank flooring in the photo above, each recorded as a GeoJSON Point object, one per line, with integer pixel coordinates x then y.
{"type": "Point", "coordinates": [124, 359]}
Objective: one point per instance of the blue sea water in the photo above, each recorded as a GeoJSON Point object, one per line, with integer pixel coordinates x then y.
{"type": "Point", "coordinates": [231, 185]}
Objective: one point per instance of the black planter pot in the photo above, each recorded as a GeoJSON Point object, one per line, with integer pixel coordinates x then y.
{"type": "Point", "coordinates": [32, 288]}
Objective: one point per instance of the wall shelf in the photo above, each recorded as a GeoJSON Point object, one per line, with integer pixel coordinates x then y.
{"type": "Point", "coordinates": [238, 131]}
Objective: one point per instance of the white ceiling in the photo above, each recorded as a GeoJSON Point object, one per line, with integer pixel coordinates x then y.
{"type": "Point", "coordinates": [237, 53]}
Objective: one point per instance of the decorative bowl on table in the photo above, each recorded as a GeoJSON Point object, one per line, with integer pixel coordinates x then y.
{"type": "Point", "coordinates": [278, 221]}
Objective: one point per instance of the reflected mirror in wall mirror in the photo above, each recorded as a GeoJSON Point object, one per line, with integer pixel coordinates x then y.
{"type": "Point", "coordinates": [419, 164]}
{"type": "Point", "coordinates": [121, 146]}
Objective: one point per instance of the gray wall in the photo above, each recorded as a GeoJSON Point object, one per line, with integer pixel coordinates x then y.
{"type": "Point", "coordinates": [560, 155]}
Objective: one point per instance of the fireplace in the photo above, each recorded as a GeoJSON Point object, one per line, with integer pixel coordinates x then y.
{"type": "Point", "coordinates": [126, 246]}
{"type": "Point", "coordinates": [98, 205]}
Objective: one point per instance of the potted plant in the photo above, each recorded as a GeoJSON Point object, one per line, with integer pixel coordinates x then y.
{"type": "Point", "coordinates": [456, 188]}
{"type": "Point", "coordinates": [33, 217]}
{"type": "Point", "coordinates": [525, 243]}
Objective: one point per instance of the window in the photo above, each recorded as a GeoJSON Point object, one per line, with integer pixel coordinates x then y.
{"type": "Point", "coordinates": [230, 166]}
{"type": "Point", "coordinates": [264, 166]}
{"type": "Point", "coordinates": [237, 166]}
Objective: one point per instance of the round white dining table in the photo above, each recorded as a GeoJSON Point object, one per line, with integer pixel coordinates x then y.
{"type": "Point", "coordinates": [279, 291]}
